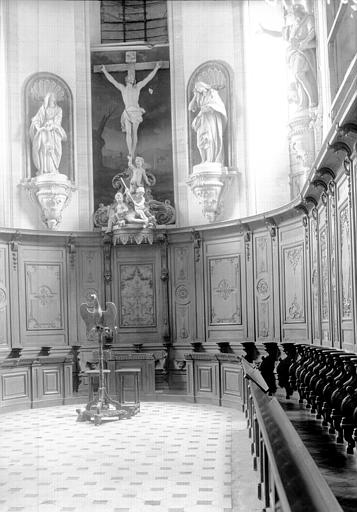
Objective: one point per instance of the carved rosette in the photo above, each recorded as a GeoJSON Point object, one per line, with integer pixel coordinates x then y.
{"type": "Point", "coordinates": [208, 183]}
{"type": "Point", "coordinates": [52, 192]}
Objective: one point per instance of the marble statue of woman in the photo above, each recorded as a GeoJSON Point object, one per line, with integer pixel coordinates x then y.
{"type": "Point", "coordinates": [209, 123]}
{"type": "Point", "coordinates": [47, 135]}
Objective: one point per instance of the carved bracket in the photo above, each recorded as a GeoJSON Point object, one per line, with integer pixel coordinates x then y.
{"type": "Point", "coordinates": [52, 192]}
{"type": "Point", "coordinates": [272, 228]}
{"type": "Point", "coordinates": [208, 183]}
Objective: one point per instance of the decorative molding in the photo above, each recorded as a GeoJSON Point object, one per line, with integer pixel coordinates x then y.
{"type": "Point", "coordinates": [247, 242]}
{"type": "Point", "coordinates": [71, 247]}
{"type": "Point", "coordinates": [107, 250]}
{"type": "Point", "coordinates": [323, 171]}
{"type": "Point", "coordinates": [305, 223]}
{"type": "Point", "coordinates": [319, 183]}
{"type": "Point", "coordinates": [14, 247]}
{"type": "Point", "coordinates": [340, 146]}
{"type": "Point", "coordinates": [312, 200]}
{"type": "Point", "coordinates": [196, 245]}
{"type": "Point", "coordinates": [346, 129]}
{"type": "Point", "coordinates": [132, 235]}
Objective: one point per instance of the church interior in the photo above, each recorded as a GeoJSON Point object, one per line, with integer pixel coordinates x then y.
{"type": "Point", "coordinates": [178, 293]}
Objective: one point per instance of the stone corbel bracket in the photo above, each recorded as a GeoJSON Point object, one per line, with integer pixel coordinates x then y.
{"type": "Point", "coordinates": [52, 192]}
{"type": "Point", "coordinates": [208, 183]}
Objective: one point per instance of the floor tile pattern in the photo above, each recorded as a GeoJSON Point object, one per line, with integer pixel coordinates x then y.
{"type": "Point", "coordinates": [170, 457]}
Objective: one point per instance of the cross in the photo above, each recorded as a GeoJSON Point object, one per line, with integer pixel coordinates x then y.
{"type": "Point", "coordinates": [131, 65]}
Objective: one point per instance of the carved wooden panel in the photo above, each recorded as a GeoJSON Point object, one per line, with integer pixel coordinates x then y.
{"type": "Point", "coordinates": [15, 385]}
{"type": "Point", "coordinates": [263, 288]}
{"type": "Point", "coordinates": [4, 297]}
{"type": "Point", "coordinates": [345, 262]}
{"type": "Point", "coordinates": [43, 295]}
{"type": "Point", "coordinates": [44, 303]}
{"type": "Point", "coordinates": [137, 302]}
{"type": "Point", "coordinates": [333, 257]}
{"type": "Point", "coordinates": [294, 289]}
{"type": "Point", "coordinates": [315, 281]}
{"type": "Point", "coordinates": [51, 381]}
{"type": "Point", "coordinates": [90, 280]}
{"type": "Point", "coordinates": [204, 378]}
{"type": "Point", "coordinates": [225, 301]}
{"type": "Point", "coordinates": [183, 292]}
{"type": "Point", "coordinates": [324, 274]}
{"type": "Point", "coordinates": [230, 380]}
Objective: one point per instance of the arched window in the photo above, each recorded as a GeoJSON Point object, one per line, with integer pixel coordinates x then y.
{"type": "Point", "coordinates": [125, 21]}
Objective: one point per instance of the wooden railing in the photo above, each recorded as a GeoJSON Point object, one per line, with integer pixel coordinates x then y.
{"type": "Point", "coordinates": [289, 480]}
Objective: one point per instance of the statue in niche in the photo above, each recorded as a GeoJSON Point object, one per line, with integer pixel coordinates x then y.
{"type": "Point", "coordinates": [47, 134]}
{"type": "Point", "coordinates": [301, 56]}
{"type": "Point", "coordinates": [132, 115]}
{"type": "Point", "coordinates": [209, 123]}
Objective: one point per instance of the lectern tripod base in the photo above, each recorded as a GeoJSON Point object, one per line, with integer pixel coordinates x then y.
{"type": "Point", "coordinates": [104, 407]}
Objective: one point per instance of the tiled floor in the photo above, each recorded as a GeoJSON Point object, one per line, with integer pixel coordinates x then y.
{"type": "Point", "coordinates": [170, 457]}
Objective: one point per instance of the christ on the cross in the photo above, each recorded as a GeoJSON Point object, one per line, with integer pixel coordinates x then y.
{"type": "Point", "coordinates": [132, 115]}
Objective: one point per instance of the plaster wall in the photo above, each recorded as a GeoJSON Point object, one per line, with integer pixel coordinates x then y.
{"type": "Point", "coordinates": [43, 35]}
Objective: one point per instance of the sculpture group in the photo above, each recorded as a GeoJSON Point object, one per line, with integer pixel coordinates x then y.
{"type": "Point", "coordinates": [133, 205]}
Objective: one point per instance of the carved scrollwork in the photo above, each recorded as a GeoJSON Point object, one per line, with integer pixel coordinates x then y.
{"type": "Point", "coordinates": [294, 257]}
{"type": "Point", "coordinates": [295, 310]}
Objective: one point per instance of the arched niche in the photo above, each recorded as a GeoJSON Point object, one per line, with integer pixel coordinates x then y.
{"type": "Point", "coordinates": [218, 75]}
{"type": "Point", "coordinates": [36, 89]}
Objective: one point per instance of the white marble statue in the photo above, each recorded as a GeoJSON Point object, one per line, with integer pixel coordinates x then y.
{"type": "Point", "coordinates": [138, 174]}
{"type": "Point", "coordinates": [300, 55]}
{"type": "Point", "coordinates": [209, 123]}
{"type": "Point", "coordinates": [132, 115]}
{"type": "Point", "coordinates": [47, 135]}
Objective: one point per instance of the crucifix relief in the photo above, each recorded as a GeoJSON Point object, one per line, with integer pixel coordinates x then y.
{"type": "Point", "coordinates": [132, 115]}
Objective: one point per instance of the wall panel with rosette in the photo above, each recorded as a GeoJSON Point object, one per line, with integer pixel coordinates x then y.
{"type": "Point", "coordinates": [43, 296]}
{"type": "Point", "coordinates": [225, 290]}
{"type": "Point", "coordinates": [263, 286]}
{"type": "Point", "coordinates": [183, 293]}
{"type": "Point", "coordinates": [294, 320]}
